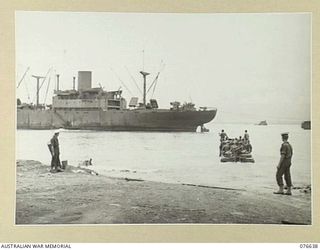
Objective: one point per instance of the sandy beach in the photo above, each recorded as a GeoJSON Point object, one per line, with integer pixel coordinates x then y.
{"type": "Point", "coordinates": [81, 196]}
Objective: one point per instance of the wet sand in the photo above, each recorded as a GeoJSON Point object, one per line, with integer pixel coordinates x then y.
{"type": "Point", "coordinates": [79, 196]}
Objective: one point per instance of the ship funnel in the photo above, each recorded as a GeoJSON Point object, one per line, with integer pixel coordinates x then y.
{"type": "Point", "coordinates": [84, 80]}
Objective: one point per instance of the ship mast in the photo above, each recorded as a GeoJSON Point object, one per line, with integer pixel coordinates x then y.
{"type": "Point", "coordinates": [144, 85]}
{"type": "Point", "coordinates": [38, 87]}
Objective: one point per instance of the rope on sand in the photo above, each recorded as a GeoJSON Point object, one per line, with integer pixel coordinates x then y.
{"type": "Point", "coordinates": [130, 179]}
{"type": "Point", "coordinates": [203, 186]}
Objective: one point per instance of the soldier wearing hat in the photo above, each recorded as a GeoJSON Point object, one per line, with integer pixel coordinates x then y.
{"type": "Point", "coordinates": [283, 167]}
{"type": "Point", "coordinates": [55, 152]}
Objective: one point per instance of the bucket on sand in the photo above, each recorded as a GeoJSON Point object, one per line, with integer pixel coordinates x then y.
{"type": "Point", "coordinates": [64, 164]}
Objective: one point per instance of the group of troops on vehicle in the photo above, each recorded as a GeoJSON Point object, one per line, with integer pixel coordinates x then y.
{"type": "Point", "coordinates": [235, 149]}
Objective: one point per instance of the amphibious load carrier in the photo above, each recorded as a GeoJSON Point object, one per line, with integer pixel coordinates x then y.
{"type": "Point", "coordinates": [95, 109]}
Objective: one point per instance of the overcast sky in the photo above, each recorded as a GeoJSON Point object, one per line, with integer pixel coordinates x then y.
{"type": "Point", "coordinates": [251, 67]}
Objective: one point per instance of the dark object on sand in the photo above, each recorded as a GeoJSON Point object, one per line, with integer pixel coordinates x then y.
{"type": "Point", "coordinates": [86, 163]}
{"type": "Point", "coordinates": [64, 164]}
{"type": "Point", "coordinates": [303, 189]}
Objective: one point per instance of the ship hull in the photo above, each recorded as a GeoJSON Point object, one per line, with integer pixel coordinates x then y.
{"type": "Point", "coordinates": [114, 120]}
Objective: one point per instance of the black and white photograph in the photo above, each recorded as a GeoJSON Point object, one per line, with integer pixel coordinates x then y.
{"type": "Point", "coordinates": [163, 118]}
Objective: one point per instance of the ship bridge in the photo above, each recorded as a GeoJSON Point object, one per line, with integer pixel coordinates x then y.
{"type": "Point", "coordinates": [87, 97]}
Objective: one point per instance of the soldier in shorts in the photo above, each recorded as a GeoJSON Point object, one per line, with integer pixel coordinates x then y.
{"type": "Point", "coordinates": [283, 167]}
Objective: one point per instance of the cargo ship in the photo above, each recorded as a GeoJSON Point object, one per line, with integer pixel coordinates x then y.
{"type": "Point", "coordinates": [89, 108]}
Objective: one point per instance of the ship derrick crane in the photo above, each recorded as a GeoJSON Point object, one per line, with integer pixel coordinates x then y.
{"type": "Point", "coordinates": [25, 73]}
{"type": "Point", "coordinates": [19, 83]}
{"type": "Point", "coordinates": [155, 80]}
{"type": "Point", "coordinates": [153, 84]}
{"type": "Point", "coordinates": [40, 86]}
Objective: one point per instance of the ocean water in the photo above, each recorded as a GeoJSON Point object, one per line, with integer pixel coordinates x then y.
{"type": "Point", "coordinates": [191, 158]}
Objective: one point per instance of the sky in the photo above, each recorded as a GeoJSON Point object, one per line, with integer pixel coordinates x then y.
{"type": "Point", "coordinates": [251, 66]}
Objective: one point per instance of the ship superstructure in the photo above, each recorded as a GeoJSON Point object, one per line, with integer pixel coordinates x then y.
{"type": "Point", "coordinates": [88, 98]}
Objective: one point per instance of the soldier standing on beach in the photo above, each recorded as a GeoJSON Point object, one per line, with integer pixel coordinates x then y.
{"type": "Point", "coordinates": [283, 167]}
{"type": "Point", "coordinates": [55, 152]}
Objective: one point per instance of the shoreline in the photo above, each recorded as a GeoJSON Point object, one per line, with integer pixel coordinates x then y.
{"type": "Point", "coordinates": [80, 196]}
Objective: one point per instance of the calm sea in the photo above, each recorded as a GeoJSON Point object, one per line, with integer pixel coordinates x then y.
{"type": "Point", "coordinates": [177, 157]}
